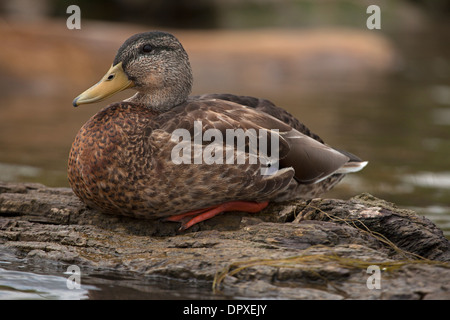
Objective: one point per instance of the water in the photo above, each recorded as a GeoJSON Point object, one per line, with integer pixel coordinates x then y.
{"type": "Point", "coordinates": [21, 279]}
{"type": "Point", "coordinates": [18, 282]}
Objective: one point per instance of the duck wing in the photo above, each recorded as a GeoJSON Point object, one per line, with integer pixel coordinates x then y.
{"type": "Point", "coordinates": [354, 163]}
{"type": "Point", "coordinates": [266, 106]}
{"type": "Point", "coordinates": [312, 160]}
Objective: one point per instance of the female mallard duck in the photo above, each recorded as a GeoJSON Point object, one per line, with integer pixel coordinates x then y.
{"type": "Point", "coordinates": [122, 160]}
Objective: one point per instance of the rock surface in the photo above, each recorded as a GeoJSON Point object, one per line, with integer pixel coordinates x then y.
{"type": "Point", "coordinates": [316, 249]}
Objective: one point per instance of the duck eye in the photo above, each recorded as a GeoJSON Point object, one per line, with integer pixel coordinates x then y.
{"type": "Point", "coordinates": [147, 48]}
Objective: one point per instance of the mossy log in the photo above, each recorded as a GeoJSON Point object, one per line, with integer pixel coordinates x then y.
{"type": "Point", "coordinates": [316, 249]}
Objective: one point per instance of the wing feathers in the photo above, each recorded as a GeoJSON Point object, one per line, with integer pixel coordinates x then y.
{"type": "Point", "coordinates": [312, 160]}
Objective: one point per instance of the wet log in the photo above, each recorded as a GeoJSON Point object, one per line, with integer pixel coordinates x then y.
{"type": "Point", "coordinates": [361, 248]}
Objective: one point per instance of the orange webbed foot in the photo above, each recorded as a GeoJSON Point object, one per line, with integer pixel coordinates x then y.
{"type": "Point", "coordinates": [208, 213]}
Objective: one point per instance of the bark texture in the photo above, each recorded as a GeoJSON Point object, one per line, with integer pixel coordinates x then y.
{"type": "Point", "coordinates": [316, 249]}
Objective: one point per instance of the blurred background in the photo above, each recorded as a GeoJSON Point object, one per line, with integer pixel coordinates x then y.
{"type": "Point", "coordinates": [381, 94]}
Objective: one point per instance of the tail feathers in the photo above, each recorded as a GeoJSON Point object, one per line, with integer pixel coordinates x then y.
{"type": "Point", "coordinates": [351, 156]}
{"type": "Point", "coordinates": [352, 166]}
{"type": "Point", "coordinates": [354, 163]}
{"type": "Point", "coordinates": [313, 161]}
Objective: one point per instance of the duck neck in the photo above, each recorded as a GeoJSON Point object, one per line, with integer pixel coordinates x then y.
{"type": "Point", "coordinates": [161, 101]}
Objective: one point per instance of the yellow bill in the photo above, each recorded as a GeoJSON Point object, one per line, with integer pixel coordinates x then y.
{"type": "Point", "coordinates": [113, 81]}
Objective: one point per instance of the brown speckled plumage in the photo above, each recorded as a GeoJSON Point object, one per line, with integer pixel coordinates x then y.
{"type": "Point", "coordinates": [121, 163]}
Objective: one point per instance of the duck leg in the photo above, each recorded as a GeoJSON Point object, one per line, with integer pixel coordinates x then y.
{"type": "Point", "coordinates": [208, 213]}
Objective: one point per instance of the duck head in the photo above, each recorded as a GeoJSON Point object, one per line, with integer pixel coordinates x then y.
{"type": "Point", "coordinates": [155, 64]}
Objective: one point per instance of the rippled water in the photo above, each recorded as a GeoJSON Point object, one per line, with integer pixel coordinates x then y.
{"type": "Point", "coordinates": [21, 285]}
{"type": "Point", "coordinates": [18, 282]}
{"type": "Point", "coordinates": [21, 279]}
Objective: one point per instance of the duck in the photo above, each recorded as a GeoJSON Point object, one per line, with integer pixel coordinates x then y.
{"type": "Point", "coordinates": [162, 153]}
